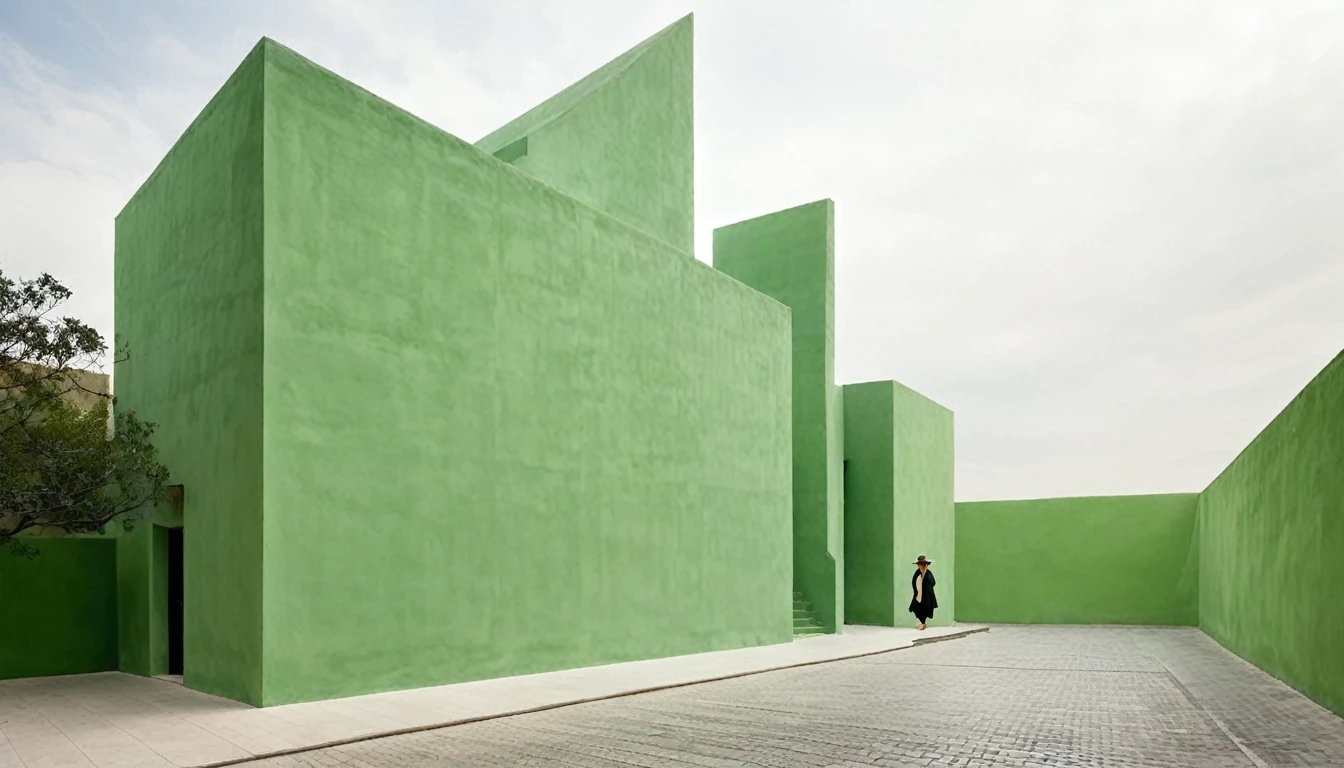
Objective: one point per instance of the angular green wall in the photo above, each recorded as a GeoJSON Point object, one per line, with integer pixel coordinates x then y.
{"type": "Point", "coordinates": [790, 256]}
{"type": "Point", "coordinates": [1095, 560]}
{"type": "Point", "coordinates": [899, 478]}
{"type": "Point", "coordinates": [622, 139]}
{"type": "Point", "coordinates": [505, 432]}
{"type": "Point", "coordinates": [1272, 545]}
{"type": "Point", "coordinates": [59, 609]}
{"type": "Point", "coordinates": [188, 282]}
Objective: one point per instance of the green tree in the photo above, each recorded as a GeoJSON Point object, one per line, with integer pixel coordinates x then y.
{"type": "Point", "coordinates": [65, 464]}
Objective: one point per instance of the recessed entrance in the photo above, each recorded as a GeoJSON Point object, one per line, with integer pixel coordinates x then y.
{"type": "Point", "coordinates": [175, 601]}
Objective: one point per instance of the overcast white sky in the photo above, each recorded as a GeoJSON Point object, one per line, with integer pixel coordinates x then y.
{"type": "Point", "coordinates": [1108, 235]}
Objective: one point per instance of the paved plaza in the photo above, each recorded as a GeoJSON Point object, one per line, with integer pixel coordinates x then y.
{"type": "Point", "coordinates": [114, 720]}
{"type": "Point", "coordinates": [1015, 696]}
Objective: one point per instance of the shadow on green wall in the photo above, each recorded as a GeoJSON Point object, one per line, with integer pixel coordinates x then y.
{"type": "Point", "coordinates": [60, 609]}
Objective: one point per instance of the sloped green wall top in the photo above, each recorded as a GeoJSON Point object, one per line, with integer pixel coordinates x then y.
{"type": "Point", "coordinates": [621, 139]}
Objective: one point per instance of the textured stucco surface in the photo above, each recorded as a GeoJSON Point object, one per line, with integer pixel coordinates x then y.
{"type": "Point", "coordinates": [790, 256]}
{"type": "Point", "coordinates": [621, 139]}
{"type": "Point", "coordinates": [925, 507]}
{"type": "Point", "coordinates": [1272, 545]}
{"type": "Point", "coordinates": [188, 282]}
{"type": "Point", "coordinates": [59, 609]}
{"type": "Point", "coordinates": [504, 431]}
{"type": "Point", "coordinates": [898, 501]}
{"type": "Point", "coordinates": [1094, 560]}
{"type": "Point", "coordinates": [870, 507]}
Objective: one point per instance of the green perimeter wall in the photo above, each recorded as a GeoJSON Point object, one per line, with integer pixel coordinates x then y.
{"type": "Point", "coordinates": [622, 139]}
{"type": "Point", "coordinates": [59, 609]}
{"type": "Point", "coordinates": [1272, 545]}
{"type": "Point", "coordinates": [189, 304]}
{"type": "Point", "coordinates": [1097, 560]}
{"type": "Point", "coordinates": [790, 256]}
{"type": "Point", "coordinates": [899, 479]}
{"type": "Point", "coordinates": [504, 431]}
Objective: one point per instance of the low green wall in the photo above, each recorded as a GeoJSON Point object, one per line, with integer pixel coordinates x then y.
{"type": "Point", "coordinates": [1272, 545]}
{"type": "Point", "coordinates": [59, 609]}
{"type": "Point", "coordinates": [1099, 560]}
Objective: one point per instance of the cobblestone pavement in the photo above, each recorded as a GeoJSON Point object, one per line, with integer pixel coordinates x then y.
{"type": "Point", "coordinates": [1015, 696]}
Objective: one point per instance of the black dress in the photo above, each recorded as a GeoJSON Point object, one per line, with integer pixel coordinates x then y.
{"type": "Point", "coordinates": [923, 610]}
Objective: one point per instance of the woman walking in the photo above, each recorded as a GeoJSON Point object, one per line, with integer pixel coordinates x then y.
{"type": "Point", "coordinates": [924, 601]}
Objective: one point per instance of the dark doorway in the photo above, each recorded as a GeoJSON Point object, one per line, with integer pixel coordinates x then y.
{"type": "Point", "coordinates": [174, 601]}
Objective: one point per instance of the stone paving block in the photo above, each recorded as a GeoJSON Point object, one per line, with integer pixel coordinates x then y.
{"type": "Point", "coordinates": [1035, 697]}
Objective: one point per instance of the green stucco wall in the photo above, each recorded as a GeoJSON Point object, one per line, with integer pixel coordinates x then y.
{"type": "Point", "coordinates": [621, 139]}
{"type": "Point", "coordinates": [188, 282]}
{"type": "Point", "coordinates": [925, 517]}
{"type": "Point", "coordinates": [870, 505]}
{"type": "Point", "coordinates": [59, 609]}
{"type": "Point", "coordinates": [505, 432]}
{"type": "Point", "coordinates": [1272, 545]}
{"type": "Point", "coordinates": [790, 256]}
{"type": "Point", "coordinates": [1097, 560]}
{"type": "Point", "coordinates": [898, 501]}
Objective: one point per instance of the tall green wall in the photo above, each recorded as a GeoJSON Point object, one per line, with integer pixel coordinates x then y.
{"type": "Point", "coordinates": [1272, 545]}
{"type": "Point", "coordinates": [790, 256]}
{"type": "Point", "coordinates": [899, 479]}
{"type": "Point", "coordinates": [188, 282]}
{"type": "Point", "coordinates": [505, 432]}
{"type": "Point", "coordinates": [1097, 560]}
{"type": "Point", "coordinates": [925, 518]}
{"type": "Point", "coordinates": [871, 572]}
{"type": "Point", "coordinates": [59, 609]}
{"type": "Point", "coordinates": [621, 139]}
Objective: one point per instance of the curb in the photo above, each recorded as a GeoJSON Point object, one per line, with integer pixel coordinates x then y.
{"type": "Point", "coordinates": [574, 702]}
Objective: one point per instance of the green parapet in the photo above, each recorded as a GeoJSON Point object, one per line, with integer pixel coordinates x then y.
{"type": "Point", "coordinates": [898, 502]}
{"type": "Point", "coordinates": [790, 257]}
{"type": "Point", "coordinates": [504, 431]}
{"type": "Point", "coordinates": [620, 139]}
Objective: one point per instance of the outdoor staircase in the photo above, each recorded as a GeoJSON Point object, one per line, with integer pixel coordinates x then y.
{"type": "Point", "coordinates": [805, 622]}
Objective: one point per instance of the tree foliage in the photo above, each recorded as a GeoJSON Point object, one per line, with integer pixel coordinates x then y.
{"type": "Point", "coordinates": [65, 464]}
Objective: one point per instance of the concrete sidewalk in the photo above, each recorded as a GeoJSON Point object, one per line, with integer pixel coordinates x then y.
{"type": "Point", "coordinates": [114, 720]}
